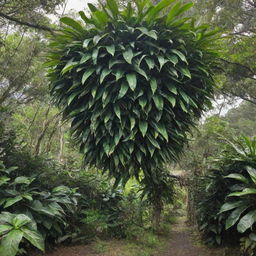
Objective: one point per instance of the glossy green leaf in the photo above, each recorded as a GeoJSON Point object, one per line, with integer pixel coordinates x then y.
{"type": "Point", "coordinates": [237, 176]}
{"type": "Point", "coordinates": [246, 221]}
{"type": "Point", "coordinates": [10, 243]}
{"type": "Point", "coordinates": [12, 201]}
{"type": "Point", "coordinates": [159, 102]}
{"type": "Point", "coordinates": [34, 237]}
{"type": "Point", "coordinates": [230, 206]}
{"type": "Point", "coordinates": [132, 80]}
{"type": "Point", "coordinates": [111, 49]}
{"type": "Point", "coordinates": [117, 111]}
{"type": "Point", "coordinates": [87, 74]}
{"type": "Point", "coordinates": [180, 55]}
{"type": "Point", "coordinates": [153, 84]}
{"type": "Point", "coordinates": [143, 125]}
{"type": "Point", "coordinates": [235, 216]}
{"type": "Point", "coordinates": [104, 74]}
{"type": "Point", "coordinates": [128, 55]}
{"type": "Point", "coordinates": [72, 23]}
{"type": "Point", "coordinates": [123, 90]}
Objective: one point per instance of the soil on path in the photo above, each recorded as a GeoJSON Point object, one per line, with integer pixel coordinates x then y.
{"type": "Point", "coordinates": [183, 242]}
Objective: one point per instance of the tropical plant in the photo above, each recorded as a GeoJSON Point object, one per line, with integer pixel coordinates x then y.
{"type": "Point", "coordinates": [227, 203]}
{"type": "Point", "coordinates": [14, 228]}
{"type": "Point", "coordinates": [241, 201]}
{"type": "Point", "coordinates": [52, 211]}
{"type": "Point", "coordinates": [132, 81]}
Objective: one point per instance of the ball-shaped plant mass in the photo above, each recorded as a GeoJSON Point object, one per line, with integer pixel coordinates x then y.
{"type": "Point", "coordinates": [133, 81]}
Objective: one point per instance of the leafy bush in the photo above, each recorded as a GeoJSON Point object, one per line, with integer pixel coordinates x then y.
{"type": "Point", "coordinates": [49, 211]}
{"type": "Point", "coordinates": [132, 81]}
{"type": "Point", "coordinates": [228, 206]}
{"type": "Point", "coordinates": [14, 228]}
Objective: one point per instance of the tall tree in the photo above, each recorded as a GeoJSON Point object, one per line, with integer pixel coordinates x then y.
{"type": "Point", "coordinates": [237, 18]}
{"type": "Point", "coordinates": [132, 82]}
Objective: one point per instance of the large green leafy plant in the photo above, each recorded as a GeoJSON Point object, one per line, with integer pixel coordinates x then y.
{"type": "Point", "coordinates": [227, 207]}
{"type": "Point", "coordinates": [14, 229]}
{"type": "Point", "coordinates": [48, 213]}
{"type": "Point", "coordinates": [132, 81]}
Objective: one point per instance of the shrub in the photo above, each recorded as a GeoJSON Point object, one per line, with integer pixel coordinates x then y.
{"type": "Point", "coordinates": [227, 210]}
{"type": "Point", "coordinates": [48, 211]}
{"type": "Point", "coordinates": [132, 81]}
{"type": "Point", "coordinates": [14, 228]}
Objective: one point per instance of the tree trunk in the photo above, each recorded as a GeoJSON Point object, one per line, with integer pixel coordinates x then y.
{"type": "Point", "coordinates": [156, 216]}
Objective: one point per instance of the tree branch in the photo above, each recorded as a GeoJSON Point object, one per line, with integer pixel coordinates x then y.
{"type": "Point", "coordinates": [24, 23]}
{"type": "Point", "coordinates": [253, 73]}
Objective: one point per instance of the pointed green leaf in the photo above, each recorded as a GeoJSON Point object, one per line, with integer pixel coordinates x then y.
{"type": "Point", "coordinates": [10, 243]}
{"type": "Point", "coordinates": [85, 58]}
{"type": "Point", "coordinates": [159, 102]}
{"type": "Point", "coordinates": [229, 206]}
{"type": "Point", "coordinates": [86, 42]}
{"type": "Point", "coordinates": [72, 23]}
{"type": "Point", "coordinates": [161, 61]}
{"type": "Point", "coordinates": [173, 90]}
{"type": "Point", "coordinates": [92, 7]}
{"type": "Point", "coordinates": [128, 55]}
{"type": "Point", "coordinates": [87, 74]}
{"type": "Point", "coordinates": [235, 216]}
{"type": "Point", "coordinates": [142, 102]}
{"type": "Point", "coordinates": [34, 237]}
{"type": "Point", "coordinates": [12, 201]}
{"type": "Point", "coordinates": [132, 121]}
{"type": "Point", "coordinates": [180, 55]}
{"type": "Point", "coordinates": [150, 63]}
{"type": "Point", "coordinates": [246, 221]}
{"type": "Point", "coordinates": [111, 49]}
{"type": "Point", "coordinates": [123, 90]}
{"type": "Point", "coordinates": [104, 73]}
{"type": "Point", "coordinates": [119, 74]}
{"type": "Point", "coordinates": [117, 111]}
{"type": "Point", "coordinates": [69, 66]}
{"type": "Point", "coordinates": [172, 100]}
{"type": "Point", "coordinates": [237, 176]}
{"type": "Point", "coordinates": [173, 59]}
{"type": "Point", "coordinates": [143, 125]}
{"type": "Point", "coordinates": [185, 72]}
{"type": "Point", "coordinates": [132, 80]}
{"type": "Point", "coordinates": [153, 84]}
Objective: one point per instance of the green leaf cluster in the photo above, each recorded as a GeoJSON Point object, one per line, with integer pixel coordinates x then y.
{"type": "Point", "coordinates": [228, 205]}
{"type": "Point", "coordinates": [33, 214]}
{"type": "Point", "coordinates": [13, 229]}
{"type": "Point", "coordinates": [132, 81]}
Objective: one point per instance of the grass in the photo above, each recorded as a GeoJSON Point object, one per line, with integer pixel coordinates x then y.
{"type": "Point", "coordinates": [147, 244]}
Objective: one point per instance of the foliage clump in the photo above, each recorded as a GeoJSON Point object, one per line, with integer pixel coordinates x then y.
{"type": "Point", "coordinates": [132, 81]}
{"type": "Point", "coordinates": [227, 207]}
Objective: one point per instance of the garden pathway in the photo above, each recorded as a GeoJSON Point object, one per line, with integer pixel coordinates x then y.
{"type": "Point", "coordinates": [184, 243]}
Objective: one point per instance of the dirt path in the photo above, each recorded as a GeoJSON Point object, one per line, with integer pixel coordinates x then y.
{"type": "Point", "coordinates": [184, 243]}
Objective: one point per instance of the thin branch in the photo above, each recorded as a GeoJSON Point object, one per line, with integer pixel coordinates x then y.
{"type": "Point", "coordinates": [253, 73]}
{"type": "Point", "coordinates": [24, 23]}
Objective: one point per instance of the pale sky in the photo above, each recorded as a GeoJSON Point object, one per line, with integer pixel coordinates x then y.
{"type": "Point", "coordinates": [77, 5]}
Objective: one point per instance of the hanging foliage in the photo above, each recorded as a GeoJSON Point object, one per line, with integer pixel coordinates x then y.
{"type": "Point", "coordinates": [133, 82]}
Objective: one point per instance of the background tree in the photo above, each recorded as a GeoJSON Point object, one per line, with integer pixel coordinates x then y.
{"type": "Point", "coordinates": [238, 20]}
